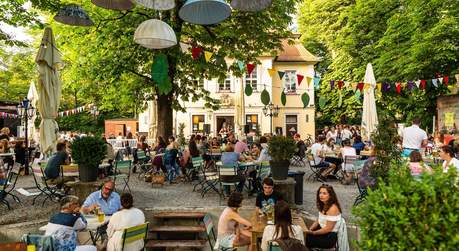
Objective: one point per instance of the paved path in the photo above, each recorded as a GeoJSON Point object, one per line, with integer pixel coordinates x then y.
{"type": "Point", "coordinates": [176, 195]}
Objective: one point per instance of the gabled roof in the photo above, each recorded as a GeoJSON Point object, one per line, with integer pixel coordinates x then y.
{"type": "Point", "coordinates": [295, 53]}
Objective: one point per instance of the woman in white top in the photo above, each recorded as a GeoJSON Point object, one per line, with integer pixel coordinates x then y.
{"type": "Point", "coordinates": [127, 217]}
{"type": "Point", "coordinates": [348, 151]}
{"type": "Point", "coordinates": [447, 155]}
{"type": "Point", "coordinates": [283, 229]}
{"type": "Point", "coordinates": [323, 232]}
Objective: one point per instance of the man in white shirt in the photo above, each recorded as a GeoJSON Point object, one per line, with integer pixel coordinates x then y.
{"type": "Point", "coordinates": [346, 133]}
{"type": "Point", "coordinates": [317, 151]}
{"type": "Point", "coordinates": [413, 138]}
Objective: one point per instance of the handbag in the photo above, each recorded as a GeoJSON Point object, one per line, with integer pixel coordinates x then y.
{"type": "Point", "coordinates": [158, 178]}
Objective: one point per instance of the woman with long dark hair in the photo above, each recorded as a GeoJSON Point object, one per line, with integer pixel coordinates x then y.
{"type": "Point", "coordinates": [323, 232]}
{"type": "Point", "coordinates": [284, 229]}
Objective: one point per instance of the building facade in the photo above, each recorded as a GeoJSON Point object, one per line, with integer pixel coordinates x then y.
{"type": "Point", "coordinates": [292, 118]}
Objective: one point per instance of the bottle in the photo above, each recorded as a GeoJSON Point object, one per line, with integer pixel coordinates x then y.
{"type": "Point", "coordinates": [31, 247]}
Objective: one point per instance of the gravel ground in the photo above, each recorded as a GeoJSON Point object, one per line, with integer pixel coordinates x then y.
{"type": "Point", "coordinates": [176, 195]}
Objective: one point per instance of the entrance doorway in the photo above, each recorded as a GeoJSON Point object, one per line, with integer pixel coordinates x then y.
{"type": "Point", "coordinates": [228, 121]}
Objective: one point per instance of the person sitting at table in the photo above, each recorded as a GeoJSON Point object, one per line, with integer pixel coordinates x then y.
{"type": "Point", "coordinates": [241, 146]}
{"type": "Point", "coordinates": [53, 167]}
{"type": "Point", "coordinates": [323, 232]}
{"type": "Point", "coordinates": [231, 158]}
{"type": "Point", "coordinates": [63, 226]}
{"type": "Point", "coordinates": [4, 148]}
{"type": "Point", "coordinates": [127, 217]}
{"type": "Point", "coordinates": [189, 153]}
{"type": "Point", "coordinates": [447, 155]}
{"type": "Point", "coordinates": [215, 144]}
{"type": "Point", "coordinates": [233, 230]}
{"type": "Point", "coordinates": [284, 229]}
{"type": "Point", "coordinates": [346, 151]}
{"type": "Point", "coordinates": [160, 144]}
{"type": "Point", "coordinates": [261, 156]}
{"type": "Point", "coordinates": [416, 164]}
{"type": "Point", "coordinates": [20, 152]}
{"type": "Point", "coordinates": [5, 133]}
{"type": "Point", "coordinates": [142, 144]}
{"type": "Point", "coordinates": [105, 199]}
{"type": "Point", "coordinates": [358, 144]}
{"type": "Point", "coordinates": [267, 198]}
{"type": "Point", "coordinates": [317, 150]}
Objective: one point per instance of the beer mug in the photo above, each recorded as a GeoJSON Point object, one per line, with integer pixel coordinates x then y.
{"type": "Point", "coordinates": [31, 247]}
{"type": "Point", "coordinates": [100, 216]}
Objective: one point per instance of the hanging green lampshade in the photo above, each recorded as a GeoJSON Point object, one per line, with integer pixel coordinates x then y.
{"type": "Point", "coordinates": [157, 4]}
{"type": "Point", "coordinates": [155, 34]}
{"type": "Point", "coordinates": [252, 5]}
{"type": "Point", "coordinates": [114, 4]}
{"type": "Point", "coordinates": [205, 12]}
{"type": "Point", "coordinates": [73, 14]}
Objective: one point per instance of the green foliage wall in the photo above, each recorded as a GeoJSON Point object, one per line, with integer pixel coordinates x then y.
{"type": "Point", "coordinates": [411, 214]}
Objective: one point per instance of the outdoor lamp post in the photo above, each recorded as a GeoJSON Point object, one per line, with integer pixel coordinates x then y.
{"type": "Point", "coordinates": [25, 112]}
{"type": "Point", "coordinates": [271, 111]}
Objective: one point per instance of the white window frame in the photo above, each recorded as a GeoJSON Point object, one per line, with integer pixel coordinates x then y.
{"type": "Point", "coordinates": [290, 81]}
{"type": "Point", "coordinates": [251, 79]}
{"type": "Point", "coordinates": [285, 122]}
{"type": "Point", "coordinates": [227, 84]}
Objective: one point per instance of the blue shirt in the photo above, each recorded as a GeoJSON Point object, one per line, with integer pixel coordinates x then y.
{"type": "Point", "coordinates": [109, 206]}
{"type": "Point", "coordinates": [230, 158]}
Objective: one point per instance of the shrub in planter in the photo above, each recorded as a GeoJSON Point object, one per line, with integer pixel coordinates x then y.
{"type": "Point", "coordinates": [405, 213]}
{"type": "Point", "coordinates": [281, 149]}
{"type": "Point", "coordinates": [88, 153]}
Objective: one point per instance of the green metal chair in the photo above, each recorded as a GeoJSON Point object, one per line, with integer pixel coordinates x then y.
{"type": "Point", "coordinates": [123, 171]}
{"type": "Point", "coordinates": [135, 233]}
{"type": "Point", "coordinates": [227, 176]}
{"type": "Point", "coordinates": [274, 247]}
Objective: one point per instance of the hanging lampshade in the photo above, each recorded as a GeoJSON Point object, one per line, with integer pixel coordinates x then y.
{"type": "Point", "coordinates": [205, 12]}
{"type": "Point", "coordinates": [114, 4]}
{"type": "Point", "coordinates": [155, 34]}
{"type": "Point", "coordinates": [253, 5]}
{"type": "Point", "coordinates": [157, 4]}
{"type": "Point", "coordinates": [73, 14]}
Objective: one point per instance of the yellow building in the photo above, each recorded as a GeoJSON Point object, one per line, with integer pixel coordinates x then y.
{"type": "Point", "coordinates": [292, 118]}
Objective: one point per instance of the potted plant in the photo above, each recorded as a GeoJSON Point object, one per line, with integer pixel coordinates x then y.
{"type": "Point", "coordinates": [88, 153]}
{"type": "Point", "coordinates": [281, 149]}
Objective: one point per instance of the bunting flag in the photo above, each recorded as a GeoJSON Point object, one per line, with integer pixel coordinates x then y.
{"type": "Point", "coordinates": [441, 81]}
{"type": "Point", "coordinates": [8, 115]}
{"type": "Point", "coordinates": [446, 78]}
{"type": "Point", "coordinates": [299, 78]}
{"type": "Point", "coordinates": [423, 84]}
{"type": "Point", "coordinates": [354, 86]}
{"type": "Point", "coordinates": [410, 85]}
{"type": "Point", "coordinates": [75, 110]}
{"type": "Point", "coordinates": [271, 72]}
{"type": "Point", "coordinates": [340, 84]}
{"type": "Point", "coordinates": [207, 55]}
{"type": "Point", "coordinates": [240, 64]}
{"type": "Point", "coordinates": [281, 74]}
{"type": "Point", "coordinates": [332, 84]}
{"type": "Point", "coordinates": [308, 81]}
{"type": "Point", "coordinates": [316, 82]}
{"type": "Point", "coordinates": [250, 68]}
{"type": "Point", "coordinates": [398, 87]}
{"type": "Point", "coordinates": [378, 86]}
{"type": "Point", "coordinates": [366, 86]}
{"type": "Point", "coordinates": [457, 79]}
{"type": "Point", "coordinates": [434, 82]}
{"type": "Point", "coordinates": [360, 86]}
{"type": "Point", "coordinates": [196, 52]}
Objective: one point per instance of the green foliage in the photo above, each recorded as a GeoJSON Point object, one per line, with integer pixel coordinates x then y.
{"type": "Point", "coordinates": [385, 140]}
{"type": "Point", "coordinates": [89, 151]}
{"type": "Point", "coordinates": [17, 71]}
{"type": "Point", "coordinates": [411, 214]}
{"type": "Point", "coordinates": [281, 148]}
{"type": "Point", "coordinates": [82, 122]}
{"type": "Point", "coordinates": [404, 40]}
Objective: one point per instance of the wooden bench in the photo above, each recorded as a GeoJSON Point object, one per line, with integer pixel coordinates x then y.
{"type": "Point", "coordinates": [179, 215]}
{"type": "Point", "coordinates": [176, 243]}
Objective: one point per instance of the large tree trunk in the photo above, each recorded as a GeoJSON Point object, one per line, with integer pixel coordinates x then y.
{"type": "Point", "coordinates": [165, 116]}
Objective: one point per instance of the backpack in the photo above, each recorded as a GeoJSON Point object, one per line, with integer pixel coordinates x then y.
{"type": "Point", "coordinates": [291, 244]}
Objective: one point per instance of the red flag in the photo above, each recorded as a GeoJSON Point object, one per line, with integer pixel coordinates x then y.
{"type": "Point", "coordinates": [340, 84]}
{"type": "Point", "coordinates": [398, 87]}
{"type": "Point", "coordinates": [300, 78]}
{"type": "Point", "coordinates": [445, 80]}
{"type": "Point", "coordinates": [196, 52]}
{"type": "Point", "coordinates": [423, 84]}
{"type": "Point", "coordinates": [360, 86]}
{"type": "Point", "coordinates": [250, 68]}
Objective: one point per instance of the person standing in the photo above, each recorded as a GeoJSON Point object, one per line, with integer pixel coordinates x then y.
{"type": "Point", "coordinates": [413, 138]}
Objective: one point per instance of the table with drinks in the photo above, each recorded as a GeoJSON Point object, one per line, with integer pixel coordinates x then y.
{"type": "Point", "coordinates": [259, 222]}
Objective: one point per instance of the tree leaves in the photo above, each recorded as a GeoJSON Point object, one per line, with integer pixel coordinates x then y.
{"type": "Point", "coordinates": [248, 89]}
{"type": "Point", "coordinates": [305, 99]}
{"type": "Point", "coordinates": [283, 98]}
{"type": "Point", "coordinates": [265, 99]}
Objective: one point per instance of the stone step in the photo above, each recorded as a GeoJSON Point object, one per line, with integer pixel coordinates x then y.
{"type": "Point", "coordinates": [179, 229]}
{"type": "Point", "coordinates": [176, 243]}
{"type": "Point", "coordinates": [179, 215]}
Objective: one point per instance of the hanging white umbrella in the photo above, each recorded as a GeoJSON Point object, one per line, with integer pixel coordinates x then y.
{"type": "Point", "coordinates": [49, 88]}
{"type": "Point", "coordinates": [32, 96]}
{"type": "Point", "coordinates": [369, 115]}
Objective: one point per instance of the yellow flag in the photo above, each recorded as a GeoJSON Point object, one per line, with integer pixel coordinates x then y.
{"type": "Point", "coordinates": [308, 80]}
{"type": "Point", "coordinates": [366, 86]}
{"type": "Point", "coordinates": [207, 55]}
{"type": "Point", "coordinates": [354, 85]}
{"type": "Point", "coordinates": [271, 72]}
{"type": "Point", "coordinates": [378, 85]}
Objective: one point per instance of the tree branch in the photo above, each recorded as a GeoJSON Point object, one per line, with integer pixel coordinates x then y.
{"type": "Point", "coordinates": [136, 73]}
